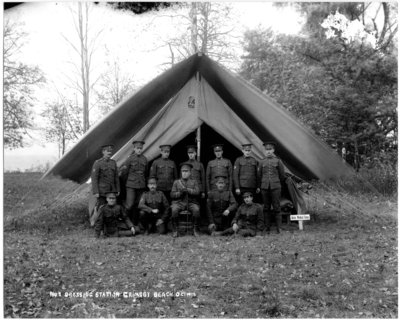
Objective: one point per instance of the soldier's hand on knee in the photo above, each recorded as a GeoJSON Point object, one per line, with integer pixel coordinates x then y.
{"type": "Point", "coordinates": [118, 194]}
{"type": "Point", "coordinates": [203, 195]}
{"type": "Point", "coordinates": [258, 190]}
{"type": "Point", "coordinates": [159, 222]}
{"type": "Point", "coordinates": [97, 195]}
{"type": "Point", "coordinates": [212, 227]}
{"type": "Point", "coordinates": [237, 191]}
{"type": "Point", "coordinates": [154, 210]}
{"type": "Point", "coordinates": [226, 213]}
{"type": "Point", "coordinates": [235, 227]}
{"type": "Point", "coordinates": [133, 230]}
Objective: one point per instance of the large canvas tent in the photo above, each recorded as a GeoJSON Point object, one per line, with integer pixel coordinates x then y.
{"type": "Point", "coordinates": [199, 92]}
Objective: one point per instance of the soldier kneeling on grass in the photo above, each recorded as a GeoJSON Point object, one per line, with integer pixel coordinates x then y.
{"type": "Point", "coordinates": [153, 206]}
{"type": "Point", "coordinates": [221, 205]}
{"type": "Point", "coordinates": [249, 218]}
{"type": "Point", "coordinates": [113, 220]}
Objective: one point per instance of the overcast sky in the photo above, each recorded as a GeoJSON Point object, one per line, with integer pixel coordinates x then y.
{"type": "Point", "coordinates": [134, 39]}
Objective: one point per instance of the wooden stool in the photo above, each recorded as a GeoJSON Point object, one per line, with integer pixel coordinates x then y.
{"type": "Point", "coordinates": [185, 223]}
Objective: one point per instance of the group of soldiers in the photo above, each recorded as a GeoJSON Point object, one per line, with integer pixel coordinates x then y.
{"type": "Point", "coordinates": [170, 192]}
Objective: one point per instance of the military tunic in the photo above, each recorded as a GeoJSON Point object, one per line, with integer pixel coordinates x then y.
{"type": "Point", "coordinates": [166, 173]}
{"type": "Point", "coordinates": [105, 177]}
{"type": "Point", "coordinates": [218, 167]}
{"type": "Point", "coordinates": [245, 173]}
{"type": "Point", "coordinates": [136, 166]}
{"type": "Point", "coordinates": [198, 174]}
{"type": "Point", "coordinates": [217, 203]}
{"type": "Point", "coordinates": [250, 219]}
{"type": "Point", "coordinates": [271, 172]}
{"type": "Point", "coordinates": [155, 200]}
{"type": "Point", "coordinates": [109, 221]}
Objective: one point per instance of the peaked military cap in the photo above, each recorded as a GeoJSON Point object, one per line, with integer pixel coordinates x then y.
{"type": "Point", "coordinates": [110, 194]}
{"type": "Point", "coordinates": [107, 145]}
{"type": "Point", "coordinates": [247, 145]}
{"type": "Point", "coordinates": [152, 180]}
{"type": "Point", "coordinates": [191, 148]}
{"type": "Point", "coordinates": [186, 166]}
{"type": "Point", "coordinates": [246, 194]}
{"type": "Point", "coordinates": [138, 142]}
{"type": "Point", "coordinates": [221, 178]}
{"type": "Point", "coordinates": [218, 147]}
{"type": "Point", "coordinates": [165, 146]}
{"type": "Point", "coordinates": [269, 143]}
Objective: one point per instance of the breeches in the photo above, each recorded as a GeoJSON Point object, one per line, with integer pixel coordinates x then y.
{"type": "Point", "coordinates": [180, 206]}
{"type": "Point", "coordinates": [272, 197]}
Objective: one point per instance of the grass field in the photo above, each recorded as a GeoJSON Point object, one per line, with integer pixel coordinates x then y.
{"type": "Point", "coordinates": [343, 265]}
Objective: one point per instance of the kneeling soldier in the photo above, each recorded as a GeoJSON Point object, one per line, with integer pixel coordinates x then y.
{"type": "Point", "coordinates": [184, 195]}
{"type": "Point", "coordinates": [220, 207]}
{"type": "Point", "coordinates": [113, 221]}
{"type": "Point", "coordinates": [153, 206]}
{"type": "Point", "coordinates": [249, 218]}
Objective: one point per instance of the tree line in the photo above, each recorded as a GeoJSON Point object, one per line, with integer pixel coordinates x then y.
{"type": "Point", "coordinates": [338, 75]}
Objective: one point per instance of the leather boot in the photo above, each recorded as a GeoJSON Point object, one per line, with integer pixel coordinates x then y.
{"type": "Point", "coordinates": [174, 223]}
{"type": "Point", "coordinates": [196, 224]}
{"type": "Point", "coordinates": [278, 219]}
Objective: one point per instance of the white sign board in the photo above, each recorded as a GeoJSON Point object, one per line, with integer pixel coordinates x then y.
{"type": "Point", "coordinates": [300, 217]}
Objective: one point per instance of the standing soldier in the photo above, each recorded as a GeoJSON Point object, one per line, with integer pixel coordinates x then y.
{"type": "Point", "coordinates": [198, 173]}
{"type": "Point", "coordinates": [136, 168]}
{"type": "Point", "coordinates": [221, 205]}
{"type": "Point", "coordinates": [105, 176]}
{"type": "Point", "coordinates": [164, 170]}
{"type": "Point", "coordinates": [218, 167]}
{"type": "Point", "coordinates": [271, 176]}
{"type": "Point", "coordinates": [245, 176]}
{"type": "Point", "coordinates": [184, 194]}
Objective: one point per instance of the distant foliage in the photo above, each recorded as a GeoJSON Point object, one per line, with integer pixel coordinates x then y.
{"type": "Point", "coordinates": [336, 78]}
{"type": "Point", "coordinates": [19, 81]}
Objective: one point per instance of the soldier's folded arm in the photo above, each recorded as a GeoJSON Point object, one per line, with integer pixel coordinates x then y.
{"type": "Point", "coordinates": [142, 205]}
{"type": "Point", "coordinates": [95, 178]}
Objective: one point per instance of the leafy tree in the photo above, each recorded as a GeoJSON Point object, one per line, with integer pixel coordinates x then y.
{"type": "Point", "coordinates": [19, 81]}
{"type": "Point", "coordinates": [63, 122]}
{"type": "Point", "coordinates": [338, 77]}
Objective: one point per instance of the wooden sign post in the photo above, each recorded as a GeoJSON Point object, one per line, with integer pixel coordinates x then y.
{"type": "Point", "coordinates": [300, 218]}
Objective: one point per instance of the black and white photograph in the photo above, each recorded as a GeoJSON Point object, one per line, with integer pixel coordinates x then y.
{"type": "Point", "coordinates": [219, 160]}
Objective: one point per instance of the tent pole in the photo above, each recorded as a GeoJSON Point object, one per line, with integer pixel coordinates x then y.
{"type": "Point", "coordinates": [198, 136]}
{"type": "Point", "coordinates": [198, 142]}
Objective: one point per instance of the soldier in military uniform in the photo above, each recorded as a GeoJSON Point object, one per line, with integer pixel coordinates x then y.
{"type": "Point", "coordinates": [112, 220]}
{"type": "Point", "coordinates": [105, 175]}
{"type": "Point", "coordinates": [245, 178]}
{"type": "Point", "coordinates": [153, 206]}
{"type": "Point", "coordinates": [164, 170]}
{"type": "Point", "coordinates": [218, 167]}
{"type": "Point", "coordinates": [184, 194]}
{"type": "Point", "coordinates": [249, 218]}
{"type": "Point", "coordinates": [271, 176]}
{"type": "Point", "coordinates": [136, 167]}
{"type": "Point", "coordinates": [221, 205]}
{"type": "Point", "coordinates": [198, 173]}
